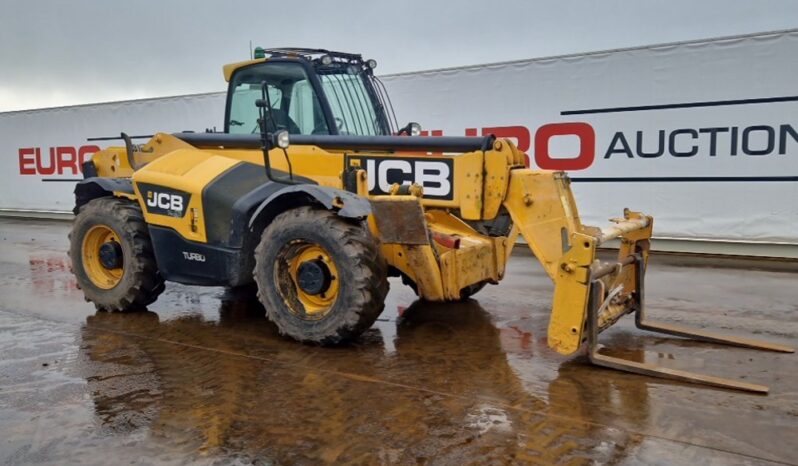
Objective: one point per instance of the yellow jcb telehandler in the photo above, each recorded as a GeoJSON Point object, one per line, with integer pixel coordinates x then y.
{"type": "Point", "coordinates": [315, 194]}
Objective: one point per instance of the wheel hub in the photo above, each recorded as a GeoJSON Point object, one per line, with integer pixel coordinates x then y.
{"type": "Point", "coordinates": [101, 254]}
{"type": "Point", "coordinates": [314, 277]}
{"type": "Point", "coordinates": [110, 255]}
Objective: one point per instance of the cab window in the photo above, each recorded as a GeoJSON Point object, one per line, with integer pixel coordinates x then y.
{"type": "Point", "coordinates": [294, 104]}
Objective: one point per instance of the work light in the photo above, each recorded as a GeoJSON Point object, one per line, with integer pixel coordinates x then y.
{"type": "Point", "coordinates": [281, 139]}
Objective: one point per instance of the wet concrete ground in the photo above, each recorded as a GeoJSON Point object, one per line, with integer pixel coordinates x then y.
{"type": "Point", "coordinates": [202, 377]}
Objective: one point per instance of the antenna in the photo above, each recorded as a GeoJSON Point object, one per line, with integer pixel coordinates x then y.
{"type": "Point", "coordinates": [250, 49]}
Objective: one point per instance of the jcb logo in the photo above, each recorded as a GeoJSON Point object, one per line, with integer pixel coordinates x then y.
{"type": "Point", "coordinates": [434, 175]}
{"type": "Point", "coordinates": [164, 201]}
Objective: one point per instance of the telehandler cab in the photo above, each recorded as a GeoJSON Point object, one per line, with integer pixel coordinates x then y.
{"type": "Point", "coordinates": [315, 194]}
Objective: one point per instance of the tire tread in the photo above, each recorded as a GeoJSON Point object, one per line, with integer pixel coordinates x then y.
{"type": "Point", "coordinates": [146, 283]}
{"type": "Point", "coordinates": [369, 272]}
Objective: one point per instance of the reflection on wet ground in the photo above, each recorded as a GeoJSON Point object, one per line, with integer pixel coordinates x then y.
{"type": "Point", "coordinates": [203, 377]}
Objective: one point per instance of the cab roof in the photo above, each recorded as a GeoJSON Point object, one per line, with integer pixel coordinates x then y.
{"type": "Point", "coordinates": [289, 52]}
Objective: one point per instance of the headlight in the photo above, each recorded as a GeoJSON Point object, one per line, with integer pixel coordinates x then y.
{"type": "Point", "coordinates": [281, 139]}
{"type": "Point", "coordinates": [410, 129]}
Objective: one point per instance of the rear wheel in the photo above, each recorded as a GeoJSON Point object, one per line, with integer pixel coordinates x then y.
{"type": "Point", "coordinates": [321, 278]}
{"type": "Point", "coordinates": [112, 257]}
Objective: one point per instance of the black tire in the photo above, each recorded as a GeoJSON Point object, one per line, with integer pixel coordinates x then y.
{"type": "Point", "coordinates": [362, 271]}
{"type": "Point", "coordinates": [140, 283]}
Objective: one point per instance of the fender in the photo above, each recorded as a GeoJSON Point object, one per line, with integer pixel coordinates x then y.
{"type": "Point", "coordinates": [92, 188]}
{"type": "Point", "coordinates": [344, 203]}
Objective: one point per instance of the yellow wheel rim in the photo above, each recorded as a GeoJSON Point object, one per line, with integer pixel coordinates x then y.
{"type": "Point", "coordinates": [99, 275]}
{"type": "Point", "coordinates": [314, 306]}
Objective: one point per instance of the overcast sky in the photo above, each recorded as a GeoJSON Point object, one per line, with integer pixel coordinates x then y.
{"type": "Point", "coordinates": [55, 53]}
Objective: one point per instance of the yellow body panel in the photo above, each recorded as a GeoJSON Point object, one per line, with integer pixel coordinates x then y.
{"type": "Point", "coordinates": [112, 162]}
{"type": "Point", "coordinates": [187, 170]}
{"type": "Point", "coordinates": [311, 162]}
{"type": "Point", "coordinates": [571, 289]}
{"type": "Point", "coordinates": [478, 258]}
{"type": "Point", "coordinates": [542, 208]}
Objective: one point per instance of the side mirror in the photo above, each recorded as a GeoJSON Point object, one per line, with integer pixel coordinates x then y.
{"type": "Point", "coordinates": [412, 129]}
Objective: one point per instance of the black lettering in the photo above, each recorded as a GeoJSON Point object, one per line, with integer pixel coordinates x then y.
{"type": "Point", "coordinates": [650, 155]}
{"type": "Point", "coordinates": [713, 138]}
{"type": "Point", "coordinates": [768, 147]}
{"type": "Point", "coordinates": [734, 140]}
{"type": "Point", "coordinates": [784, 130]}
{"type": "Point", "coordinates": [672, 143]}
{"type": "Point", "coordinates": [619, 137]}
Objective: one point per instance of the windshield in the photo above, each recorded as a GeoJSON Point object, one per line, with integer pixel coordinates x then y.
{"type": "Point", "coordinates": [352, 106]}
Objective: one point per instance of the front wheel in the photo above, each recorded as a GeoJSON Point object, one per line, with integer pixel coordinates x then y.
{"type": "Point", "coordinates": [112, 257]}
{"type": "Point", "coordinates": [321, 278]}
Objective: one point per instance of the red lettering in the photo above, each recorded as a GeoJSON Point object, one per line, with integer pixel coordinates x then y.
{"type": "Point", "coordinates": [67, 157]}
{"type": "Point", "coordinates": [587, 146]}
{"type": "Point", "coordinates": [40, 168]}
{"type": "Point", "coordinates": [434, 132]}
{"type": "Point", "coordinates": [27, 161]}
{"type": "Point", "coordinates": [63, 159]}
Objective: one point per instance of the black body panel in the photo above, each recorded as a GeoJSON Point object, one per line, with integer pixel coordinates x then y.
{"type": "Point", "coordinates": [183, 261]}
{"type": "Point", "coordinates": [89, 169]}
{"type": "Point", "coordinates": [350, 205]}
{"type": "Point", "coordinates": [91, 188]}
{"type": "Point", "coordinates": [162, 200]}
{"type": "Point", "coordinates": [220, 195]}
{"type": "Point", "coordinates": [229, 201]}
{"type": "Point", "coordinates": [375, 143]}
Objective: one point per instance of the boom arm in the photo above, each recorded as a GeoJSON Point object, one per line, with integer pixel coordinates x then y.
{"type": "Point", "coordinates": [544, 213]}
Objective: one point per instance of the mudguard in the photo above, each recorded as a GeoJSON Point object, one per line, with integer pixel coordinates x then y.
{"type": "Point", "coordinates": [342, 202]}
{"type": "Point", "coordinates": [92, 188]}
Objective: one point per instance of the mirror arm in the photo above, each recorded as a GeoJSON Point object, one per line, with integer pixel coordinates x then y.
{"type": "Point", "coordinates": [266, 138]}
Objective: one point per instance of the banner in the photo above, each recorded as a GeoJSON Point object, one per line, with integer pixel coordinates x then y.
{"type": "Point", "coordinates": [42, 150]}
{"type": "Point", "coordinates": [702, 135]}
